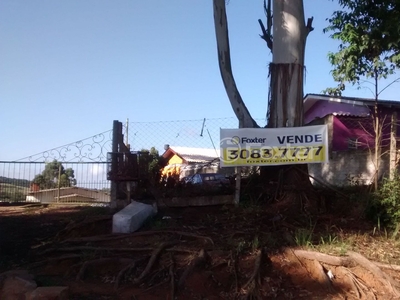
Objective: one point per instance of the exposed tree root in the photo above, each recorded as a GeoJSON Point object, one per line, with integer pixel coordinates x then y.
{"type": "Point", "coordinates": [317, 271]}
{"type": "Point", "coordinates": [387, 266]}
{"type": "Point", "coordinates": [90, 248]}
{"type": "Point", "coordinates": [200, 260]}
{"type": "Point", "coordinates": [359, 288]}
{"type": "Point", "coordinates": [153, 259]}
{"type": "Point", "coordinates": [111, 249]}
{"type": "Point", "coordinates": [171, 271]}
{"type": "Point", "coordinates": [109, 237]}
{"type": "Point", "coordinates": [235, 271]}
{"type": "Point", "coordinates": [88, 221]}
{"type": "Point", "coordinates": [385, 279]}
{"type": "Point", "coordinates": [351, 260]}
{"type": "Point", "coordinates": [125, 270]}
{"type": "Point", "coordinates": [100, 261]}
{"type": "Point", "coordinates": [55, 259]}
{"type": "Point", "coordinates": [321, 275]}
{"type": "Point", "coordinates": [251, 287]}
{"type": "Point", "coordinates": [255, 276]}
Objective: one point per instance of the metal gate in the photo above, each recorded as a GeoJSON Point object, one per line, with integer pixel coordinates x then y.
{"type": "Point", "coordinates": [74, 173]}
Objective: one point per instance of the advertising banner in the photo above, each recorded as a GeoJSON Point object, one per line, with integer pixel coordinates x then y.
{"type": "Point", "coordinates": [273, 146]}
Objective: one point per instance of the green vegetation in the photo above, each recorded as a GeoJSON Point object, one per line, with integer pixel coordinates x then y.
{"type": "Point", "coordinates": [153, 161]}
{"type": "Point", "coordinates": [53, 174]}
{"type": "Point", "coordinates": [15, 181]}
{"type": "Point", "coordinates": [384, 208]}
{"type": "Point", "coordinates": [369, 42]}
{"type": "Point", "coordinates": [12, 193]}
{"type": "Point", "coordinates": [13, 189]}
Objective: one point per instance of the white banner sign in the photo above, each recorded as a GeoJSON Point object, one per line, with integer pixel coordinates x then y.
{"type": "Point", "coordinates": [273, 146]}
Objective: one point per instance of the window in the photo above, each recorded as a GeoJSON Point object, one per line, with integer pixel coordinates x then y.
{"type": "Point", "coordinates": [353, 143]}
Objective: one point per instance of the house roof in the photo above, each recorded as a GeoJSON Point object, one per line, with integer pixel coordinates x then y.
{"type": "Point", "coordinates": [63, 188]}
{"type": "Point", "coordinates": [190, 154]}
{"type": "Point", "coordinates": [310, 99]}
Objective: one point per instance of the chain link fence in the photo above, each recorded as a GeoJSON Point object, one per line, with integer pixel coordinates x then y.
{"type": "Point", "coordinates": [201, 133]}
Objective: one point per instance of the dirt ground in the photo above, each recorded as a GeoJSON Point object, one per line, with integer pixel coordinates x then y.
{"type": "Point", "coordinates": [192, 253]}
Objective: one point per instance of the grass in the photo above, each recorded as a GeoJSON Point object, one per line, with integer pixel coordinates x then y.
{"type": "Point", "coordinates": [12, 193]}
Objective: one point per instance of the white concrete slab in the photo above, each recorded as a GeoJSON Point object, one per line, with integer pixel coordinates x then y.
{"type": "Point", "coordinates": [132, 217]}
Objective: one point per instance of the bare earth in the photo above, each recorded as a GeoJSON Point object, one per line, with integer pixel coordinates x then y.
{"type": "Point", "coordinates": [195, 253]}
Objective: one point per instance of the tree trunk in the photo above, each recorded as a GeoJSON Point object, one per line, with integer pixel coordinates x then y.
{"type": "Point", "coordinates": [287, 67]}
{"type": "Point", "coordinates": [286, 91]}
{"type": "Point", "coordinates": [225, 67]}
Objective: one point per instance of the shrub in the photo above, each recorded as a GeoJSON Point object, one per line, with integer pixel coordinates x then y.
{"type": "Point", "coordinates": [386, 202]}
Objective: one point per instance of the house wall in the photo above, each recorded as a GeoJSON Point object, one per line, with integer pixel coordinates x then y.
{"type": "Point", "coordinates": [324, 108]}
{"type": "Point", "coordinates": [175, 160]}
{"type": "Point", "coordinates": [349, 168]}
{"type": "Point", "coordinates": [360, 128]}
{"type": "Point", "coordinates": [50, 196]}
{"type": "Point", "coordinates": [346, 128]}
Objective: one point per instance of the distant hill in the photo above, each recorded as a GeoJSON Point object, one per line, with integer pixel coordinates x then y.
{"type": "Point", "coordinates": [15, 181]}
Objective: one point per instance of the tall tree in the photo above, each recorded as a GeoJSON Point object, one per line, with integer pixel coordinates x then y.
{"type": "Point", "coordinates": [54, 175]}
{"type": "Point", "coordinates": [285, 33]}
{"type": "Point", "coordinates": [369, 48]}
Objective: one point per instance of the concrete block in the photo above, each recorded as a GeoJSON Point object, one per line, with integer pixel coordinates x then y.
{"type": "Point", "coordinates": [132, 217]}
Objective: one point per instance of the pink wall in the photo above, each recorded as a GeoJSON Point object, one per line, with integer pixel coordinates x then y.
{"type": "Point", "coordinates": [324, 108]}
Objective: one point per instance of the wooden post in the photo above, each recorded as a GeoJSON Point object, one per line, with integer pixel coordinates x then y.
{"type": "Point", "coordinates": [114, 162]}
{"type": "Point", "coordinates": [59, 183]}
{"type": "Point", "coordinates": [238, 173]}
{"type": "Point", "coordinates": [393, 150]}
{"type": "Point", "coordinates": [237, 187]}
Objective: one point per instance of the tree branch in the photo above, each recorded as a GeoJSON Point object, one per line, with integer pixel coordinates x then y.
{"type": "Point", "coordinates": [309, 25]}
{"type": "Point", "coordinates": [394, 81]}
{"type": "Point", "coordinates": [266, 32]}
{"type": "Point", "coordinates": [265, 36]}
{"type": "Point", "coordinates": [225, 67]}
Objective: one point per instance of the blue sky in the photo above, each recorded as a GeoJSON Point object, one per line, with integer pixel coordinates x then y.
{"type": "Point", "coordinates": [69, 68]}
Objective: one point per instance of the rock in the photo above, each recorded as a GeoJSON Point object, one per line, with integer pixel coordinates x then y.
{"type": "Point", "coordinates": [48, 293]}
{"type": "Point", "coordinates": [15, 287]}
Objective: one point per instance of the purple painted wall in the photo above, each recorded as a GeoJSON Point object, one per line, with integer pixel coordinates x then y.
{"type": "Point", "coordinates": [352, 122]}
{"type": "Point", "coordinates": [345, 127]}
{"type": "Point", "coordinates": [323, 108]}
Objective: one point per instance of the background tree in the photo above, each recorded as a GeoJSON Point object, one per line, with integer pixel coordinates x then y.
{"type": "Point", "coordinates": [52, 172]}
{"type": "Point", "coordinates": [369, 48]}
{"type": "Point", "coordinates": [154, 160]}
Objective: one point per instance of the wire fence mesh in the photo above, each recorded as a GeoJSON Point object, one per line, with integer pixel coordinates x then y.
{"type": "Point", "coordinates": [88, 159]}
{"type": "Point", "coordinates": [201, 133]}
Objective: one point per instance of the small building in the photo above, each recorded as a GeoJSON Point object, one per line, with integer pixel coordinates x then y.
{"type": "Point", "coordinates": [351, 136]}
{"type": "Point", "coordinates": [73, 195]}
{"type": "Point", "coordinates": [185, 161]}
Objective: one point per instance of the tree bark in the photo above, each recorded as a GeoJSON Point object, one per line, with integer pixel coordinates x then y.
{"type": "Point", "coordinates": [287, 67]}
{"type": "Point", "coordinates": [286, 92]}
{"type": "Point", "coordinates": [224, 60]}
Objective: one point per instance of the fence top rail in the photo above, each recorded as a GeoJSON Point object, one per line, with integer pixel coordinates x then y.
{"type": "Point", "coordinates": [46, 162]}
